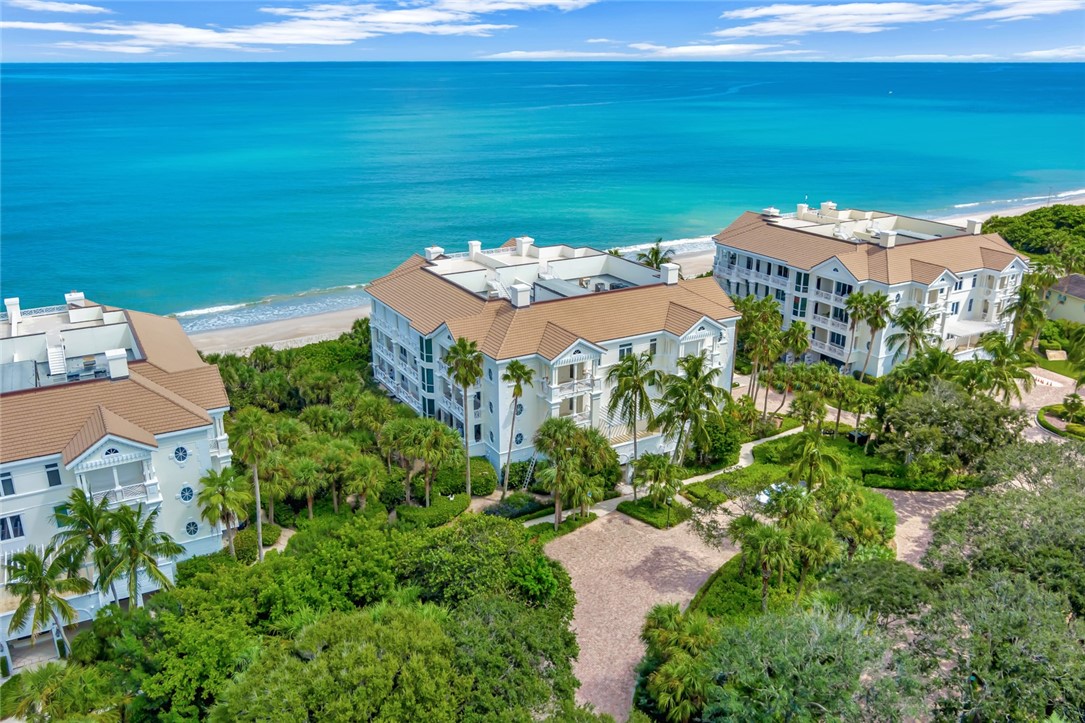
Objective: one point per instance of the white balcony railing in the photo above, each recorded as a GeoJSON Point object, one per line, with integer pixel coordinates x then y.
{"type": "Point", "coordinates": [127, 493]}
{"type": "Point", "coordinates": [837, 352]}
{"type": "Point", "coordinates": [580, 419]}
{"type": "Point", "coordinates": [554, 392]}
{"type": "Point", "coordinates": [830, 323]}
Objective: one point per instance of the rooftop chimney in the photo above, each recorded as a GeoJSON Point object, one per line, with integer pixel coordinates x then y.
{"type": "Point", "coordinates": [14, 315]}
{"type": "Point", "coordinates": [828, 206]}
{"type": "Point", "coordinates": [523, 243]}
{"type": "Point", "coordinates": [669, 273]}
{"type": "Point", "coordinates": [117, 361]}
{"type": "Point", "coordinates": [432, 252]}
{"type": "Point", "coordinates": [801, 209]}
{"type": "Point", "coordinates": [474, 248]}
{"type": "Point", "coordinates": [74, 298]}
{"type": "Point", "coordinates": [770, 212]}
{"type": "Point", "coordinates": [973, 226]}
{"type": "Point", "coordinates": [887, 239]}
{"type": "Point", "coordinates": [520, 295]}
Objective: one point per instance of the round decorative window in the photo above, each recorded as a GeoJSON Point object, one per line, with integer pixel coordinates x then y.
{"type": "Point", "coordinates": [491, 436]}
{"type": "Point", "coordinates": [490, 374]}
{"type": "Point", "coordinates": [519, 438]}
{"type": "Point", "coordinates": [192, 528]}
{"type": "Point", "coordinates": [491, 407]}
{"type": "Point", "coordinates": [519, 409]}
{"type": "Point", "coordinates": [110, 452]}
{"type": "Point", "coordinates": [180, 454]}
{"type": "Point", "coordinates": [186, 494]}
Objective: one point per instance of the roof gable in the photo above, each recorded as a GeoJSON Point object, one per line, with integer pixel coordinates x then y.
{"type": "Point", "coordinates": [102, 424]}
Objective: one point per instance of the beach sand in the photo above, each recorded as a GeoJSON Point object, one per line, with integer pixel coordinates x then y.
{"type": "Point", "coordinates": [320, 327]}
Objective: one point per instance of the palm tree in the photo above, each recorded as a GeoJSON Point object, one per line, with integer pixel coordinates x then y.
{"type": "Point", "coordinates": [770, 547]}
{"type": "Point", "coordinates": [556, 438]}
{"type": "Point", "coordinates": [876, 316]}
{"type": "Point", "coordinates": [139, 548]}
{"type": "Point", "coordinates": [40, 582]}
{"type": "Point", "coordinates": [464, 362]}
{"type": "Point", "coordinates": [335, 456]}
{"type": "Point", "coordinates": [738, 530]}
{"type": "Point", "coordinates": [915, 325]}
{"type": "Point", "coordinates": [437, 446]}
{"type": "Point", "coordinates": [580, 489]}
{"type": "Point", "coordinates": [399, 437]}
{"type": "Point", "coordinates": [224, 497]}
{"type": "Point", "coordinates": [1029, 312]}
{"type": "Point", "coordinates": [366, 477]}
{"type": "Point", "coordinates": [519, 375]}
{"type": "Point", "coordinates": [308, 479]}
{"type": "Point", "coordinates": [662, 477]}
{"type": "Point", "coordinates": [277, 483]}
{"type": "Point", "coordinates": [856, 305]}
{"type": "Point", "coordinates": [690, 400]}
{"type": "Point", "coordinates": [974, 376]}
{"type": "Point", "coordinates": [86, 527]}
{"type": "Point", "coordinates": [371, 413]}
{"type": "Point", "coordinates": [764, 346]}
{"type": "Point", "coordinates": [814, 545]}
{"type": "Point", "coordinates": [630, 400]}
{"type": "Point", "coordinates": [55, 691]}
{"type": "Point", "coordinates": [1009, 365]}
{"type": "Point", "coordinates": [252, 435]}
{"type": "Point", "coordinates": [816, 462]}
{"type": "Point", "coordinates": [808, 407]}
{"type": "Point", "coordinates": [656, 255]}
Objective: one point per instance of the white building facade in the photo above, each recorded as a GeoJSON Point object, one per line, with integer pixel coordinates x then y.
{"type": "Point", "coordinates": [114, 402]}
{"type": "Point", "coordinates": [810, 261]}
{"type": "Point", "coordinates": [570, 314]}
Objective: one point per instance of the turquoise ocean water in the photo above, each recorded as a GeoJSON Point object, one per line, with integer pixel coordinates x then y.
{"type": "Point", "coordinates": [267, 190]}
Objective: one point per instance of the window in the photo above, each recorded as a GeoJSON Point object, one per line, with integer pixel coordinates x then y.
{"type": "Point", "coordinates": [52, 471]}
{"type": "Point", "coordinates": [836, 339]}
{"type": "Point", "coordinates": [842, 289]}
{"type": "Point", "coordinates": [478, 432]}
{"type": "Point", "coordinates": [491, 406]}
{"type": "Point", "coordinates": [749, 262]}
{"type": "Point", "coordinates": [425, 346]}
{"type": "Point", "coordinates": [798, 308]}
{"type": "Point", "coordinates": [974, 280]}
{"type": "Point", "coordinates": [491, 437]}
{"type": "Point", "coordinates": [969, 305]}
{"type": "Point", "coordinates": [11, 527]}
{"type": "Point", "coordinates": [519, 438]}
{"type": "Point", "coordinates": [732, 258]}
{"type": "Point", "coordinates": [802, 282]}
{"type": "Point", "coordinates": [757, 266]}
{"type": "Point", "coordinates": [186, 494]}
{"type": "Point", "coordinates": [7, 485]}
{"type": "Point", "coordinates": [180, 454]}
{"type": "Point", "coordinates": [519, 409]}
{"type": "Point", "coordinates": [59, 511]}
{"type": "Point", "coordinates": [110, 452]}
{"type": "Point", "coordinates": [959, 285]}
{"type": "Point", "coordinates": [624, 350]}
{"type": "Point", "coordinates": [427, 381]}
{"type": "Point", "coordinates": [652, 347]}
{"type": "Point", "coordinates": [192, 528]}
{"type": "Point", "coordinates": [839, 314]}
{"type": "Point", "coordinates": [955, 307]}
{"type": "Point", "coordinates": [782, 271]}
{"type": "Point", "coordinates": [490, 374]}
{"type": "Point", "coordinates": [781, 295]}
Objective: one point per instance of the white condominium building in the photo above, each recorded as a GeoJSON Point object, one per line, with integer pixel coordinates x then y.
{"type": "Point", "coordinates": [568, 313]}
{"type": "Point", "coordinates": [117, 403]}
{"type": "Point", "coordinates": [811, 260]}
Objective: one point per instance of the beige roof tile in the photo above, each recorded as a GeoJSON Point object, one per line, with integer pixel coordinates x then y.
{"type": "Point", "coordinates": [100, 423]}
{"type": "Point", "coordinates": [909, 261]}
{"type": "Point", "coordinates": [545, 327]}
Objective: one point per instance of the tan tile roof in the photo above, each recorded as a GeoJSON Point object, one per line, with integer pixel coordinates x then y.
{"type": "Point", "coordinates": [100, 423]}
{"type": "Point", "coordinates": [546, 327]}
{"type": "Point", "coordinates": [169, 392]}
{"type": "Point", "coordinates": [910, 261]}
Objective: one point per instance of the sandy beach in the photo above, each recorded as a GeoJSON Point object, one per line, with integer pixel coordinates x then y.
{"type": "Point", "coordinates": [303, 330]}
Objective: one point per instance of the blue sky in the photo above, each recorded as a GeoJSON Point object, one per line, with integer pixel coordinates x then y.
{"type": "Point", "coordinates": [736, 30]}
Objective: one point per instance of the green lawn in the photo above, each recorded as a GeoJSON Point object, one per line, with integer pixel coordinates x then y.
{"type": "Point", "coordinates": [1066, 368]}
{"type": "Point", "coordinates": [546, 532]}
{"type": "Point", "coordinates": [660, 517]}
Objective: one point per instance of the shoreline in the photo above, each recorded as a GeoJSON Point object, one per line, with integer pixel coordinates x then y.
{"type": "Point", "coordinates": [308, 329]}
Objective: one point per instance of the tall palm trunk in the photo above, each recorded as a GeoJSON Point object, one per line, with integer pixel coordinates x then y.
{"type": "Point", "coordinates": [466, 443]}
{"type": "Point", "coordinates": [512, 440]}
{"type": "Point", "coordinates": [636, 455]}
{"type": "Point", "coordinates": [765, 414]}
{"type": "Point", "coordinates": [230, 535]}
{"type": "Point", "coordinates": [766, 575]}
{"type": "Point", "coordinates": [407, 483]}
{"type": "Point", "coordinates": [802, 582]}
{"type": "Point", "coordinates": [335, 497]}
{"type": "Point", "coordinates": [259, 525]}
{"type": "Point", "coordinates": [271, 509]}
{"type": "Point", "coordinates": [60, 629]}
{"type": "Point", "coordinates": [557, 510]}
{"type": "Point", "coordinates": [869, 351]}
{"type": "Point", "coordinates": [309, 503]}
{"type": "Point", "coordinates": [783, 401]}
{"type": "Point", "coordinates": [839, 410]}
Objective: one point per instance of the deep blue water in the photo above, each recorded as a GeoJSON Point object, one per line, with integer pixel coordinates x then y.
{"type": "Point", "coordinates": [173, 187]}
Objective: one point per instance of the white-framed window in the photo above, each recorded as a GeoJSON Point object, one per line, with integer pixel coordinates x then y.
{"type": "Point", "coordinates": [519, 438]}
{"type": "Point", "coordinates": [180, 454]}
{"type": "Point", "coordinates": [802, 281]}
{"type": "Point", "coordinates": [187, 494]}
{"type": "Point", "coordinates": [837, 339]}
{"type": "Point", "coordinates": [110, 452]}
{"type": "Point", "coordinates": [192, 528]}
{"type": "Point", "coordinates": [491, 436]}
{"type": "Point", "coordinates": [652, 345]}
{"type": "Point", "coordinates": [974, 280]}
{"type": "Point", "coordinates": [11, 527]}
{"type": "Point", "coordinates": [491, 406]}
{"type": "Point", "coordinates": [52, 472]}
{"type": "Point", "coordinates": [959, 285]}
{"type": "Point", "coordinates": [969, 307]}
{"type": "Point", "coordinates": [624, 350]}
{"type": "Point", "coordinates": [519, 409]}
{"type": "Point", "coordinates": [798, 308]}
{"type": "Point", "coordinates": [7, 484]}
{"type": "Point", "coordinates": [781, 295]}
{"type": "Point", "coordinates": [955, 307]}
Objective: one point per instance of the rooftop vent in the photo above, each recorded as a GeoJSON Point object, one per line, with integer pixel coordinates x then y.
{"type": "Point", "coordinates": [521, 295]}
{"type": "Point", "coordinates": [117, 361]}
{"type": "Point", "coordinates": [828, 206]}
{"type": "Point", "coordinates": [973, 226]}
{"type": "Point", "coordinates": [669, 273]}
{"type": "Point", "coordinates": [14, 314]}
{"type": "Point", "coordinates": [74, 298]}
{"type": "Point", "coordinates": [434, 252]}
{"type": "Point", "coordinates": [770, 212]}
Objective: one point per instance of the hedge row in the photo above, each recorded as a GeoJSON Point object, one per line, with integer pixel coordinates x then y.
{"type": "Point", "coordinates": [1074, 431]}
{"type": "Point", "coordinates": [703, 493]}
{"type": "Point", "coordinates": [573, 522]}
{"type": "Point", "coordinates": [245, 542]}
{"type": "Point", "coordinates": [441, 510]}
{"type": "Point", "coordinates": [662, 517]}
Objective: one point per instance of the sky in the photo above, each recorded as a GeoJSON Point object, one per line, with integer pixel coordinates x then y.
{"type": "Point", "coordinates": [603, 30]}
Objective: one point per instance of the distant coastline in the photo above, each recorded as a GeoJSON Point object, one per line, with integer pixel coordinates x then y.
{"type": "Point", "coordinates": [695, 255]}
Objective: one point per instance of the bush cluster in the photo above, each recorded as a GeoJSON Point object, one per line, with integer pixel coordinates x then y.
{"type": "Point", "coordinates": [546, 533]}
{"type": "Point", "coordinates": [245, 542]}
{"type": "Point", "coordinates": [515, 505]}
{"type": "Point", "coordinates": [450, 480]}
{"type": "Point", "coordinates": [662, 517]}
{"type": "Point", "coordinates": [703, 492]}
{"type": "Point", "coordinates": [441, 510]}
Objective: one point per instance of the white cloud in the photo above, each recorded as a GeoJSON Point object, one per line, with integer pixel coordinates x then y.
{"type": "Point", "coordinates": [928, 58]}
{"type": "Point", "coordinates": [48, 6]}
{"type": "Point", "coordinates": [1071, 52]}
{"type": "Point", "coordinates": [1023, 9]}
{"type": "Point", "coordinates": [312, 24]}
{"type": "Point", "coordinates": [600, 41]}
{"type": "Point", "coordinates": [727, 50]}
{"type": "Point", "coordinates": [555, 55]}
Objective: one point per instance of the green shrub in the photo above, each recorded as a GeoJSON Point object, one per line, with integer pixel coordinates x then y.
{"type": "Point", "coordinates": [541, 512]}
{"type": "Point", "coordinates": [517, 475]}
{"type": "Point", "coordinates": [214, 563]}
{"type": "Point", "coordinates": [450, 479]}
{"type": "Point", "coordinates": [393, 494]}
{"type": "Point", "coordinates": [440, 511]}
{"type": "Point", "coordinates": [722, 446]}
{"type": "Point", "coordinates": [1076, 430]}
{"type": "Point", "coordinates": [920, 484]}
{"type": "Point", "coordinates": [245, 542]}
{"type": "Point", "coordinates": [733, 596]}
{"type": "Point", "coordinates": [702, 492]}
{"type": "Point", "coordinates": [881, 509]}
{"type": "Point", "coordinates": [546, 533]}
{"type": "Point", "coordinates": [749, 480]}
{"type": "Point", "coordinates": [515, 505]}
{"type": "Point", "coordinates": [661, 517]}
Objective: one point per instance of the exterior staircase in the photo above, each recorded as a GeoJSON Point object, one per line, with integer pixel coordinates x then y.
{"type": "Point", "coordinates": [58, 363]}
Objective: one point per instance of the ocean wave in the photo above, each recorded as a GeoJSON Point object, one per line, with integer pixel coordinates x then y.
{"type": "Point", "coordinates": [1022, 200]}
{"type": "Point", "coordinates": [210, 310]}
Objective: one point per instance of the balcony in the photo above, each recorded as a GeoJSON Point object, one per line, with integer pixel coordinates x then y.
{"type": "Point", "coordinates": [580, 419]}
{"type": "Point", "coordinates": [837, 352]}
{"type": "Point", "coordinates": [830, 297]}
{"type": "Point", "coordinates": [556, 392]}
{"type": "Point", "coordinates": [220, 445]}
{"type": "Point", "coordinates": [129, 494]}
{"type": "Point", "coordinates": [830, 323]}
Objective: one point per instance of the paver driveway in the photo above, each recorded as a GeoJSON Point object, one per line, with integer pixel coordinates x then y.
{"type": "Point", "coordinates": [620, 569]}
